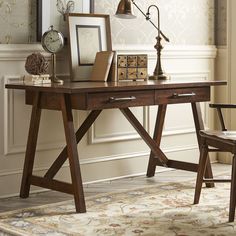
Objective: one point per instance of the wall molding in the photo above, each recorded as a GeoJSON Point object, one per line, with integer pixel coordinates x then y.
{"type": "Point", "coordinates": [95, 160]}
{"type": "Point", "coordinates": [14, 175]}
{"type": "Point", "coordinates": [101, 159]}
{"type": "Point", "coordinates": [171, 51]}
{"type": "Point", "coordinates": [21, 51]}
{"type": "Point", "coordinates": [135, 155]}
{"type": "Point", "coordinates": [18, 52]}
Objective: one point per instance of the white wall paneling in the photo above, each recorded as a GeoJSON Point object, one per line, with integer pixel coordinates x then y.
{"type": "Point", "coordinates": [113, 131]}
{"type": "Point", "coordinates": [112, 148]}
{"type": "Point", "coordinates": [16, 123]}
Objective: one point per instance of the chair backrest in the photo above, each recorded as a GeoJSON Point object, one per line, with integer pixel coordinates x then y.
{"type": "Point", "coordinates": [219, 107]}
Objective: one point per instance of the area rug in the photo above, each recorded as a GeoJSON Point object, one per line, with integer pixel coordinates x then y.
{"type": "Point", "coordinates": [165, 210]}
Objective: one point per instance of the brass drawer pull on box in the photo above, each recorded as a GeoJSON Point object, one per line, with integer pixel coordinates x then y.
{"type": "Point", "coordinates": [177, 95]}
{"type": "Point", "coordinates": [113, 99]}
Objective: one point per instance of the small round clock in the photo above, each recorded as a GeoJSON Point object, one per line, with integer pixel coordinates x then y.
{"type": "Point", "coordinates": [52, 40]}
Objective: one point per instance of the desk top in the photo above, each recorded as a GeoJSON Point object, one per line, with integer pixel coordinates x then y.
{"type": "Point", "coordinates": [78, 87]}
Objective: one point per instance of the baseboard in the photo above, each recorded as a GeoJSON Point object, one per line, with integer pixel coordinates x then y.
{"type": "Point", "coordinates": [93, 171]}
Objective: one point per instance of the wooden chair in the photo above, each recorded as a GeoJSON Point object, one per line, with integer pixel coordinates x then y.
{"type": "Point", "coordinates": [218, 141]}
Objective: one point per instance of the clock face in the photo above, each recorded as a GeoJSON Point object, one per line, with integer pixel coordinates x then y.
{"type": "Point", "coordinates": [52, 41]}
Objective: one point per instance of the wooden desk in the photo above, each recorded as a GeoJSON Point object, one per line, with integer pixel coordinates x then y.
{"type": "Point", "coordinates": [96, 96]}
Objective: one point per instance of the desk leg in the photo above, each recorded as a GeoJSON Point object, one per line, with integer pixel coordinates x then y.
{"type": "Point", "coordinates": [73, 154]}
{"type": "Point", "coordinates": [199, 125]}
{"type": "Point", "coordinates": [31, 147]}
{"type": "Point", "coordinates": [157, 138]}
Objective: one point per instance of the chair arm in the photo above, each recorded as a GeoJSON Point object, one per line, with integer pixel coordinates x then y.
{"type": "Point", "coordinates": [221, 105]}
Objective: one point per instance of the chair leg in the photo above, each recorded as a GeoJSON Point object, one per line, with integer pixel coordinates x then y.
{"type": "Point", "coordinates": [200, 173]}
{"type": "Point", "coordinates": [233, 191]}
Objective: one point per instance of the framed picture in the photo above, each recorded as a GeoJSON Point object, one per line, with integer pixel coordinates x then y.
{"type": "Point", "coordinates": [50, 12]}
{"type": "Point", "coordinates": [88, 34]}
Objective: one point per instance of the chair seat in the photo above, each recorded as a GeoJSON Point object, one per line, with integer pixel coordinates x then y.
{"type": "Point", "coordinates": [227, 135]}
{"type": "Point", "coordinates": [224, 140]}
{"type": "Point", "coordinates": [221, 141]}
{"type": "Point", "coordinates": [217, 141]}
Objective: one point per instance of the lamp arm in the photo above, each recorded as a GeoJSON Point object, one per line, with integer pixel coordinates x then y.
{"type": "Point", "coordinates": [148, 19]}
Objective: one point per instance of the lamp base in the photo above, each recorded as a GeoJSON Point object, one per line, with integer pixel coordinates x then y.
{"type": "Point", "coordinates": [159, 77]}
{"type": "Point", "coordinates": [56, 80]}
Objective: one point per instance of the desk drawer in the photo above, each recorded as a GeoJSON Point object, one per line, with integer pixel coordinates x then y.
{"type": "Point", "coordinates": [120, 99]}
{"type": "Point", "coordinates": [182, 95]}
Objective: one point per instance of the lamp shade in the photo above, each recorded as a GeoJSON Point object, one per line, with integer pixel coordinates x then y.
{"type": "Point", "coordinates": [125, 9]}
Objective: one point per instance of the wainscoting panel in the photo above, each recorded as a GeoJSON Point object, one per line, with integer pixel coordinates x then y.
{"type": "Point", "coordinates": [112, 148]}
{"type": "Point", "coordinates": [16, 121]}
{"type": "Point", "coordinates": [113, 131]}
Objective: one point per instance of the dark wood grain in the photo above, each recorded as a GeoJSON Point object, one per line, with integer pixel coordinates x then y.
{"type": "Point", "coordinates": [232, 203]}
{"type": "Point", "coordinates": [72, 154]}
{"type": "Point", "coordinates": [199, 125]}
{"type": "Point", "coordinates": [182, 95]}
{"type": "Point", "coordinates": [160, 118]}
{"type": "Point", "coordinates": [52, 184]}
{"type": "Point", "coordinates": [31, 147]}
{"type": "Point", "coordinates": [201, 170]}
{"type": "Point", "coordinates": [81, 87]}
{"type": "Point", "coordinates": [225, 142]}
{"type": "Point", "coordinates": [216, 180]}
{"type": "Point", "coordinates": [222, 105]}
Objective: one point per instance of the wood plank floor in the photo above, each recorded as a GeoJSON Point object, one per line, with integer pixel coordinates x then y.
{"type": "Point", "coordinates": [13, 203]}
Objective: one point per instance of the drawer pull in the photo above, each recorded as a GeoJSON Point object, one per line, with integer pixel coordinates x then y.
{"type": "Point", "coordinates": [181, 95]}
{"type": "Point", "coordinates": [113, 99]}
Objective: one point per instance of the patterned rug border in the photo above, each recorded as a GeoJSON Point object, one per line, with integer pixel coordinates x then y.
{"type": "Point", "coordinates": [10, 232]}
{"type": "Point", "coordinates": [188, 184]}
{"type": "Point", "coordinates": [93, 197]}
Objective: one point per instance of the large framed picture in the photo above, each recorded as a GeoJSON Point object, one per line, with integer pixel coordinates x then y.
{"type": "Point", "coordinates": [88, 34]}
{"type": "Point", "coordinates": [50, 12]}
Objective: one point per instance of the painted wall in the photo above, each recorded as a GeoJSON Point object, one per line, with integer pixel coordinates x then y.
{"type": "Point", "coordinates": [221, 22]}
{"type": "Point", "coordinates": [184, 21]}
{"type": "Point", "coordinates": [178, 19]}
{"type": "Point", "coordinates": [17, 21]}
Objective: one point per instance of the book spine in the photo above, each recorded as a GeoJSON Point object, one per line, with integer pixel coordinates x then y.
{"type": "Point", "coordinates": [112, 76]}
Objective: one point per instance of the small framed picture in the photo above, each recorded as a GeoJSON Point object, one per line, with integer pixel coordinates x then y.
{"type": "Point", "coordinates": [51, 12]}
{"type": "Point", "coordinates": [88, 34]}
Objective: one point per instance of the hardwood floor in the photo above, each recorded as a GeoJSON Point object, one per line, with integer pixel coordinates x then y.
{"type": "Point", "coordinates": [13, 203]}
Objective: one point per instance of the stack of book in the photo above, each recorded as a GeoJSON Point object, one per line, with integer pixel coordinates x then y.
{"type": "Point", "coordinates": [37, 79]}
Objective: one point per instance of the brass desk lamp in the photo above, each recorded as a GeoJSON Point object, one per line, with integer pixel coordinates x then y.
{"type": "Point", "coordinates": [125, 11]}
